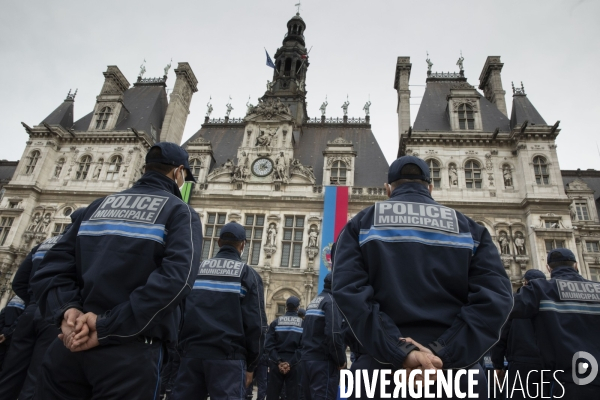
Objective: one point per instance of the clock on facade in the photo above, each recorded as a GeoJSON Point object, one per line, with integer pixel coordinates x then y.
{"type": "Point", "coordinates": [262, 167]}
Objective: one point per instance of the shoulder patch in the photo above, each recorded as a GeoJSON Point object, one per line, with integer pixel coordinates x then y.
{"type": "Point", "coordinates": [289, 321]}
{"type": "Point", "coordinates": [578, 290]}
{"type": "Point", "coordinates": [422, 215]}
{"type": "Point", "coordinates": [221, 267]}
{"type": "Point", "coordinates": [143, 208]}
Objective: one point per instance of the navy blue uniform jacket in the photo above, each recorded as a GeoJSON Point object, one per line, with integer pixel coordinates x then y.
{"type": "Point", "coordinates": [322, 334]}
{"type": "Point", "coordinates": [20, 283]}
{"type": "Point", "coordinates": [284, 338]}
{"type": "Point", "coordinates": [448, 290]}
{"type": "Point", "coordinates": [131, 259]}
{"type": "Point", "coordinates": [566, 318]}
{"type": "Point", "coordinates": [517, 343]}
{"type": "Point", "coordinates": [10, 315]}
{"type": "Point", "coordinates": [224, 316]}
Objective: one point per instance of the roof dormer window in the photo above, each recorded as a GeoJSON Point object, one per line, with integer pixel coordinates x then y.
{"type": "Point", "coordinates": [103, 117]}
{"type": "Point", "coordinates": [466, 120]}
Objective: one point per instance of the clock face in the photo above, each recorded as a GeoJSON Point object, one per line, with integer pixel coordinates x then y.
{"type": "Point", "coordinates": [262, 167]}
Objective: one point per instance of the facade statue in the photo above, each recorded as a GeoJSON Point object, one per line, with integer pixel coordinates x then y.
{"type": "Point", "coordinates": [520, 244]}
{"type": "Point", "coordinates": [272, 235]}
{"type": "Point", "coordinates": [573, 212]}
{"type": "Point", "coordinates": [453, 175]}
{"type": "Point", "coordinates": [280, 168]}
{"type": "Point", "coordinates": [249, 106]}
{"type": "Point", "coordinates": [367, 107]}
{"type": "Point", "coordinates": [264, 139]}
{"type": "Point", "coordinates": [58, 168]}
{"type": "Point", "coordinates": [312, 237]}
{"type": "Point", "coordinates": [429, 64]}
{"type": "Point", "coordinates": [460, 62]}
{"type": "Point", "coordinates": [229, 108]}
{"type": "Point", "coordinates": [142, 69]}
{"type": "Point", "coordinates": [209, 109]}
{"type": "Point", "coordinates": [323, 107]}
{"type": "Point", "coordinates": [168, 67]}
{"type": "Point", "coordinates": [270, 85]}
{"type": "Point", "coordinates": [44, 224]}
{"type": "Point", "coordinates": [228, 164]}
{"type": "Point", "coordinates": [503, 240]}
{"type": "Point", "coordinates": [35, 221]}
{"type": "Point", "coordinates": [345, 107]}
{"type": "Point", "coordinates": [506, 172]}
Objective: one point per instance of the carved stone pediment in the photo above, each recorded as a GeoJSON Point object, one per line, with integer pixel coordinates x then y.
{"type": "Point", "coordinates": [199, 141]}
{"type": "Point", "coordinates": [578, 184]}
{"type": "Point", "coordinates": [269, 110]}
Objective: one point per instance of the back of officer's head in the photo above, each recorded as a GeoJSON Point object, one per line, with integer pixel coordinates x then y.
{"type": "Point", "coordinates": [155, 153]}
{"type": "Point", "coordinates": [561, 258]}
{"type": "Point", "coordinates": [533, 274]}
{"type": "Point", "coordinates": [234, 235]}
{"type": "Point", "coordinates": [408, 169]}
{"type": "Point", "coordinates": [292, 303]}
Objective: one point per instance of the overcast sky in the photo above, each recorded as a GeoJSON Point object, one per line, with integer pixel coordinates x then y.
{"type": "Point", "coordinates": [49, 47]}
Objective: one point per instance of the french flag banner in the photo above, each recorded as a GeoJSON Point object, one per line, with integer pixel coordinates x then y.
{"type": "Point", "coordinates": [335, 217]}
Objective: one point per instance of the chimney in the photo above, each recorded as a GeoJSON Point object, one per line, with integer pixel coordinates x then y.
{"type": "Point", "coordinates": [403, 67]}
{"type": "Point", "coordinates": [179, 106]}
{"type": "Point", "coordinates": [491, 83]}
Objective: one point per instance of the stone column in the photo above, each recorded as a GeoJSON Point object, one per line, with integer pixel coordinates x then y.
{"type": "Point", "coordinates": [403, 68]}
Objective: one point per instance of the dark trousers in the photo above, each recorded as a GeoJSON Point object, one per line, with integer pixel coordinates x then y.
{"type": "Point", "coordinates": [223, 379]}
{"type": "Point", "coordinates": [575, 392]}
{"type": "Point", "coordinates": [320, 380]}
{"type": "Point", "coordinates": [531, 386]}
{"type": "Point", "coordinates": [170, 369]}
{"type": "Point", "coordinates": [32, 337]}
{"type": "Point", "coordinates": [4, 346]}
{"type": "Point", "coordinates": [277, 380]}
{"type": "Point", "coordinates": [366, 362]}
{"type": "Point", "coordinates": [128, 371]}
{"type": "Point", "coordinates": [260, 377]}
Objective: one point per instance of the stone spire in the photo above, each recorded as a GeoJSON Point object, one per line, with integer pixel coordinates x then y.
{"type": "Point", "coordinates": [178, 110]}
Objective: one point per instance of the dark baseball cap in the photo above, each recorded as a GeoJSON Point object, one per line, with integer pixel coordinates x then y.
{"type": "Point", "coordinates": [394, 171]}
{"type": "Point", "coordinates": [233, 229]}
{"type": "Point", "coordinates": [561, 254]}
{"type": "Point", "coordinates": [171, 154]}
{"type": "Point", "coordinates": [534, 274]}
{"type": "Point", "coordinates": [292, 301]}
{"type": "Point", "coordinates": [301, 312]}
{"type": "Point", "coordinates": [327, 281]}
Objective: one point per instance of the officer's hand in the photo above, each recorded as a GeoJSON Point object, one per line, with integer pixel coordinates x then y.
{"type": "Point", "coordinates": [91, 342]}
{"type": "Point", "coordinates": [249, 376]}
{"type": "Point", "coordinates": [85, 326]}
{"type": "Point", "coordinates": [2, 338]}
{"type": "Point", "coordinates": [422, 348]}
{"type": "Point", "coordinates": [422, 361]}
{"type": "Point", "coordinates": [499, 375]}
{"type": "Point", "coordinates": [67, 325]}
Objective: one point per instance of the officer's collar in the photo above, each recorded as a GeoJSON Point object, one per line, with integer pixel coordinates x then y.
{"type": "Point", "coordinates": [562, 271]}
{"type": "Point", "coordinates": [325, 290]}
{"type": "Point", "coordinates": [291, 313]}
{"type": "Point", "coordinates": [159, 181]}
{"type": "Point", "coordinates": [229, 251]}
{"type": "Point", "coordinates": [411, 187]}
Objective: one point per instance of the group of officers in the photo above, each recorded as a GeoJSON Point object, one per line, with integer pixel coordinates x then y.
{"type": "Point", "coordinates": [120, 306]}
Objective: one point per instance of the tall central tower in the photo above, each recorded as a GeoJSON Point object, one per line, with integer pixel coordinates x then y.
{"type": "Point", "coordinates": [289, 76]}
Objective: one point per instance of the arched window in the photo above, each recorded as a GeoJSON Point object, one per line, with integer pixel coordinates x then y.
{"type": "Point", "coordinates": [114, 168]}
{"type": "Point", "coordinates": [32, 160]}
{"type": "Point", "coordinates": [540, 168]}
{"type": "Point", "coordinates": [298, 65]}
{"type": "Point", "coordinates": [84, 167]}
{"type": "Point", "coordinates": [338, 173]}
{"type": "Point", "coordinates": [103, 117]}
{"type": "Point", "coordinates": [58, 168]}
{"type": "Point", "coordinates": [434, 169]}
{"type": "Point", "coordinates": [195, 166]}
{"type": "Point", "coordinates": [473, 174]}
{"type": "Point", "coordinates": [465, 117]}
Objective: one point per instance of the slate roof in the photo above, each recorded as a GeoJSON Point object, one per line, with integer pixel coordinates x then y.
{"type": "Point", "coordinates": [146, 105]}
{"type": "Point", "coordinates": [523, 110]}
{"type": "Point", "coordinates": [7, 170]}
{"type": "Point", "coordinates": [62, 116]}
{"type": "Point", "coordinates": [370, 165]}
{"type": "Point", "coordinates": [433, 113]}
{"type": "Point", "coordinates": [590, 177]}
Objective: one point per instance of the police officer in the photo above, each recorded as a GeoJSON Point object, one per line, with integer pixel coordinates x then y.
{"type": "Point", "coordinates": [517, 344]}
{"type": "Point", "coordinates": [421, 285]}
{"type": "Point", "coordinates": [323, 348]}
{"type": "Point", "coordinates": [8, 322]}
{"type": "Point", "coordinates": [566, 317]}
{"type": "Point", "coordinates": [224, 324]}
{"type": "Point", "coordinates": [283, 346]}
{"type": "Point", "coordinates": [113, 283]}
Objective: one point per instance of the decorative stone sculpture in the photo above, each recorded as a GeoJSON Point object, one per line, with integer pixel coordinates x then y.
{"type": "Point", "coordinates": [323, 107]}
{"type": "Point", "coordinates": [313, 235]}
{"type": "Point", "coordinates": [520, 244]}
{"type": "Point", "coordinates": [168, 67]}
{"type": "Point", "coordinates": [507, 174]}
{"type": "Point", "coordinates": [503, 240]}
{"type": "Point", "coordinates": [453, 175]}
{"type": "Point", "coordinates": [280, 168]}
{"type": "Point", "coordinates": [35, 221]}
{"type": "Point", "coordinates": [573, 212]}
{"type": "Point", "coordinates": [264, 139]}
{"type": "Point", "coordinates": [345, 107]}
{"type": "Point", "coordinates": [270, 86]}
{"type": "Point", "coordinates": [366, 107]}
{"type": "Point", "coordinates": [229, 108]}
{"type": "Point", "coordinates": [249, 106]}
{"type": "Point", "coordinates": [429, 63]}
{"type": "Point", "coordinates": [460, 62]}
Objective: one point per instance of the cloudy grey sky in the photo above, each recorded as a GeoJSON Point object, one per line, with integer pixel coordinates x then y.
{"type": "Point", "coordinates": [48, 47]}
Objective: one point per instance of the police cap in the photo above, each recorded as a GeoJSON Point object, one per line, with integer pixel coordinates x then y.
{"type": "Point", "coordinates": [233, 231]}
{"type": "Point", "coordinates": [301, 312]}
{"type": "Point", "coordinates": [534, 274]}
{"type": "Point", "coordinates": [171, 154]}
{"type": "Point", "coordinates": [327, 281]}
{"type": "Point", "coordinates": [292, 302]}
{"type": "Point", "coordinates": [561, 254]}
{"type": "Point", "coordinates": [394, 173]}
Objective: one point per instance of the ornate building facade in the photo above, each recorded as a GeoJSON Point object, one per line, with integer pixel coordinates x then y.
{"type": "Point", "coordinates": [268, 170]}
